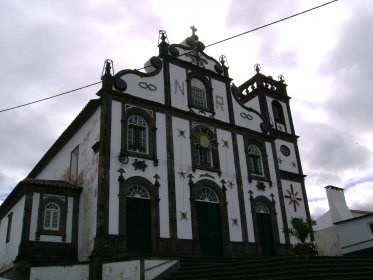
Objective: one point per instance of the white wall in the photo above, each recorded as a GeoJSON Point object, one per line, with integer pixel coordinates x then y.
{"type": "Point", "coordinates": [300, 210]}
{"type": "Point", "coordinates": [220, 101]}
{"type": "Point", "coordinates": [287, 163]}
{"type": "Point", "coordinates": [142, 86]}
{"type": "Point", "coordinates": [355, 234]}
{"type": "Point", "coordinates": [68, 272]}
{"type": "Point", "coordinates": [227, 167]}
{"type": "Point", "coordinates": [9, 250]}
{"type": "Point", "coordinates": [327, 241]}
{"type": "Point", "coordinates": [121, 270]}
{"type": "Point", "coordinates": [183, 163]}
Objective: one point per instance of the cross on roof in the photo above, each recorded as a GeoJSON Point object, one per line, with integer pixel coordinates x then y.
{"type": "Point", "coordinates": [193, 30]}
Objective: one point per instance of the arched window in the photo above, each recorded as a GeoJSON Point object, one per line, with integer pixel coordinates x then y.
{"type": "Point", "coordinates": [261, 207]}
{"type": "Point", "coordinates": [137, 134]}
{"type": "Point", "coordinates": [207, 194]}
{"type": "Point", "coordinates": [51, 217]}
{"type": "Point", "coordinates": [137, 191]}
{"type": "Point", "coordinates": [255, 160]}
{"type": "Point", "coordinates": [278, 114]}
{"type": "Point", "coordinates": [198, 92]}
{"type": "Point", "coordinates": [204, 149]}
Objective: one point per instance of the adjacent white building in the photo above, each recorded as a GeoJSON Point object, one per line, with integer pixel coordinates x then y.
{"type": "Point", "coordinates": [341, 231]}
{"type": "Point", "coordinates": [175, 160]}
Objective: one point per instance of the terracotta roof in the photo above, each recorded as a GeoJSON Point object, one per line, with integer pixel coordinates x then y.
{"type": "Point", "coordinates": [50, 183]}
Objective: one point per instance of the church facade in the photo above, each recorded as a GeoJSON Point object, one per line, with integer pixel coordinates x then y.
{"type": "Point", "coordinates": [174, 160]}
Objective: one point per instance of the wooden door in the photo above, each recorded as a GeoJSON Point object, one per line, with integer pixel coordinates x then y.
{"type": "Point", "coordinates": [138, 225]}
{"type": "Point", "coordinates": [209, 228]}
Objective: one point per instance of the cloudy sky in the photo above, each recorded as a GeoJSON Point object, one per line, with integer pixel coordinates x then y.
{"type": "Point", "coordinates": [49, 47]}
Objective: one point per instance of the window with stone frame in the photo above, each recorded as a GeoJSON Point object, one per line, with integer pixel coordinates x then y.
{"type": "Point", "coordinates": [256, 158]}
{"type": "Point", "coordinates": [138, 134]}
{"type": "Point", "coordinates": [51, 216]}
{"type": "Point", "coordinates": [278, 115]}
{"type": "Point", "coordinates": [199, 92]}
{"type": "Point", "coordinates": [74, 161]}
{"type": "Point", "coordinates": [204, 149]}
{"type": "Point", "coordinates": [9, 228]}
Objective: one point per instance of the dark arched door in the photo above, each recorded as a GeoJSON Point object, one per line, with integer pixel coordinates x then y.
{"type": "Point", "coordinates": [138, 220]}
{"type": "Point", "coordinates": [264, 227]}
{"type": "Point", "coordinates": [208, 221]}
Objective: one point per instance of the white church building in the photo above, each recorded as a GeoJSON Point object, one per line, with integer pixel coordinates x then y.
{"type": "Point", "coordinates": [173, 160]}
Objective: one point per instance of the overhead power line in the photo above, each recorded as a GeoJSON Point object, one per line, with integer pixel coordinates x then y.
{"type": "Point", "coordinates": [218, 42]}
{"type": "Point", "coordinates": [274, 22]}
{"type": "Point", "coordinates": [50, 97]}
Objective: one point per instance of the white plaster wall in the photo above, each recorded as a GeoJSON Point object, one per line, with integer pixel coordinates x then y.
{"type": "Point", "coordinates": [179, 91]}
{"type": "Point", "coordinates": [289, 208]}
{"type": "Point", "coordinates": [253, 103]}
{"type": "Point", "coordinates": [252, 123]}
{"type": "Point", "coordinates": [183, 163]}
{"type": "Point", "coordinates": [9, 250]}
{"type": "Point", "coordinates": [284, 108]}
{"type": "Point", "coordinates": [155, 267]}
{"type": "Point", "coordinates": [327, 241]}
{"type": "Point", "coordinates": [220, 101]}
{"type": "Point", "coordinates": [69, 219]}
{"type": "Point", "coordinates": [148, 174]}
{"type": "Point", "coordinates": [50, 238]}
{"type": "Point", "coordinates": [68, 272]}
{"type": "Point", "coordinates": [115, 146]}
{"type": "Point", "coordinates": [246, 187]}
{"type": "Point", "coordinates": [121, 270]}
{"type": "Point", "coordinates": [289, 163]}
{"type": "Point", "coordinates": [274, 190]}
{"type": "Point", "coordinates": [162, 172]}
{"type": "Point", "coordinates": [34, 215]}
{"type": "Point", "coordinates": [133, 86]}
{"type": "Point", "coordinates": [355, 234]}
{"type": "Point", "coordinates": [229, 175]}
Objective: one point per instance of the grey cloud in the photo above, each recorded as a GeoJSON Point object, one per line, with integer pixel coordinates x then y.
{"type": "Point", "coordinates": [333, 149]}
{"type": "Point", "coordinates": [251, 14]}
{"type": "Point", "coordinates": [350, 65]}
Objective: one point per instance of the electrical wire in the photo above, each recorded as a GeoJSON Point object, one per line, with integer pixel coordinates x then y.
{"type": "Point", "coordinates": [274, 22]}
{"type": "Point", "coordinates": [212, 44]}
{"type": "Point", "coordinates": [50, 97]}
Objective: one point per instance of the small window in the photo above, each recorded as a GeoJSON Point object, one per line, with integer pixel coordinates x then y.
{"type": "Point", "coordinates": [206, 194]}
{"type": "Point", "coordinates": [137, 191]}
{"type": "Point", "coordinates": [260, 207]}
{"type": "Point", "coordinates": [9, 228]}
{"type": "Point", "coordinates": [204, 149]}
{"type": "Point", "coordinates": [255, 160]}
{"type": "Point", "coordinates": [371, 228]}
{"type": "Point", "coordinates": [51, 216]}
{"type": "Point", "coordinates": [278, 114]}
{"type": "Point", "coordinates": [199, 98]}
{"type": "Point", "coordinates": [74, 159]}
{"type": "Point", "coordinates": [137, 134]}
